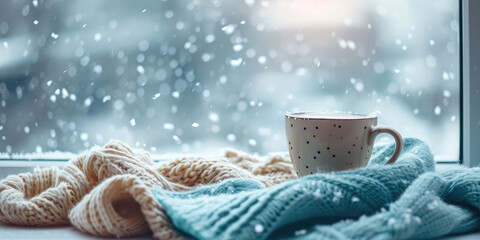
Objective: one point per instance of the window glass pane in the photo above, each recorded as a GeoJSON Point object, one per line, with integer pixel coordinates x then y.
{"type": "Point", "coordinates": [192, 76]}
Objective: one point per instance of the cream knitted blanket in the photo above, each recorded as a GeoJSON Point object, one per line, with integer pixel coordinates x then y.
{"type": "Point", "coordinates": [106, 191]}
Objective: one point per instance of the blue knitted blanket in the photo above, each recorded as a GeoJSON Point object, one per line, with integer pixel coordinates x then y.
{"type": "Point", "coordinates": [403, 200]}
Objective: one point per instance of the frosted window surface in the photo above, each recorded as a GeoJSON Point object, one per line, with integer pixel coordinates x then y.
{"type": "Point", "coordinates": [193, 76]}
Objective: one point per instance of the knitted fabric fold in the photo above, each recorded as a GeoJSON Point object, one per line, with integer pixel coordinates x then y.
{"type": "Point", "coordinates": [107, 191]}
{"type": "Point", "coordinates": [376, 202]}
{"type": "Point", "coordinates": [434, 205]}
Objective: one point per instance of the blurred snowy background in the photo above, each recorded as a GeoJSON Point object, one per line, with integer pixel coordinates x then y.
{"type": "Point", "coordinates": [196, 75]}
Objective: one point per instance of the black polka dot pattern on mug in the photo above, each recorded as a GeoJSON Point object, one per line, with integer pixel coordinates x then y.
{"type": "Point", "coordinates": [344, 145]}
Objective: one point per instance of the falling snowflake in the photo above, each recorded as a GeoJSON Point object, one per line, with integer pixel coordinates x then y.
{"type": "Point", "coordinates": [446, 93]}
{"type": "Point", "coordinates": [168, 126]}
{"type": "Point", "coordinates": [97, 36]}
{"type": "Point", "coordinates": [140, 69]}
{"type": "Point", "coordinates": [213, 116]}
{"type": "Point", "coordinates": [98, 69]}
{"type": "Point", "coordinates": [210, 38]}
{"type": "Point", "coordinates": [84, 136]}
{"type": "Point", "coordinates": [445, 76]}
{"type": "Point", "coordinates": [359, 86]}
{"type": "Point", "coordinates": [262, 59]}
{"type": "Point", "coordinates": [175, 94]}
{"type": "Point", "coordinates": [258, 228]}
{"type": "Point", "coordinates": [300, 232]}
{"type": "Point", "coordinates": [236, 62]}
{"type": "Point", "coordinates": [106, 98]}
{"type": "Point", "coordinates": [237, 47]}
{"type": "Point", "coordinates": [231, 137]}
{"type": "Point", "coordinates": [223, 79]}
{"type": "Point", "coordinates": [229, 29]}
{"type": "Point", "coordinates": [176, 139]}
{"type": "Point", "coordinates": [351, 45]}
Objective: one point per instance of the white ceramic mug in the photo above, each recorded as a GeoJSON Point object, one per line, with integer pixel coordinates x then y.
{"type": "Point", "coordinates": [326, 142]}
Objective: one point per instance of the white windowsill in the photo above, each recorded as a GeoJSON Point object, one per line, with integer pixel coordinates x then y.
{"type": "Point", "coordinates": [40, 233]}
{"type": "Point", "coordinates": [69, 232]}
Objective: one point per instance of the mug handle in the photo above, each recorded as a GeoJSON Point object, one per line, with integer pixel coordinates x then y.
{"type": "Point", "coordinates": [398, 140]}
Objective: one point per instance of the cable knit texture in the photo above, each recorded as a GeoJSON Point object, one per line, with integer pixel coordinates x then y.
{"type": "Point", "coordinates": [403, 200]}
{"type": "Point", "coordinates": [117, 191]}
{"type": "Point", "coordinates": [107, 191]}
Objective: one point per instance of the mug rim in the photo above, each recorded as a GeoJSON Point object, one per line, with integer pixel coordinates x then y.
{"type": "Point", "coordinates": [357, 116]}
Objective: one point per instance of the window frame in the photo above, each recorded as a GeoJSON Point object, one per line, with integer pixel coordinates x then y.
{"type": "Point", "coordinates": [469, 83]}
